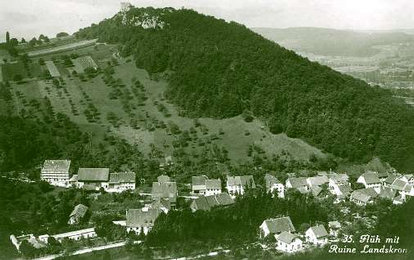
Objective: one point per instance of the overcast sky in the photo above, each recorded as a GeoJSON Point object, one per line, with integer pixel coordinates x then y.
{"type": "Point", "coordinates": [28, 18]}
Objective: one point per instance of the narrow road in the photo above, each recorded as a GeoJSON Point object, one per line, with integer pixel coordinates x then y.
{"type": "Point", "coordinates": [88, 250]}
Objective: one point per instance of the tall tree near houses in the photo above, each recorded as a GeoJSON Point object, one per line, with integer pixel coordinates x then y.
{"type": "Point", "coordinates": [7, 37]}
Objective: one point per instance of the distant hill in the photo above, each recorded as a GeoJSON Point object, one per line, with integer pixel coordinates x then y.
{"type": "Point", "coordinates": [221, 69]}
{"type": "Point", "coordinates": [331, 42]}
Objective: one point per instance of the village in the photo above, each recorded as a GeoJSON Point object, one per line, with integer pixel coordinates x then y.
{"type": "Point", "coordinates": [206, 194]}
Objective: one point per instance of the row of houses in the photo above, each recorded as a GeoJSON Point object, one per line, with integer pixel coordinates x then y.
{"type": "Point", "coordinates": [395, 187]}
{"type": "Point", "coordinates": [56, 172]}
{"type": "Point", "coordinates": [289, 241]}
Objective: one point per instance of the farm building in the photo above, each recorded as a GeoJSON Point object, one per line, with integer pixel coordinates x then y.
{"type": "Point", "coordinates": [208, 202]}
{"type": "Point", "coordinates": [238, 184]}
{"type": "Point", "coordinates": [93, 178]}
{"type": "Point", "coordinates": [121, 181]}
{"type": "Point", "coordinates": [77, 214]}
{"type": "Point", "coordinates": [56, 172]}
{"type": "Point", "coordinates": [275, 226]}
{"type": "Point", "coordinates": [141, 220]}
{"type": "Point", "coordinates": [164, 188]}
{"type": "Point", "coordinates": [53, 70]}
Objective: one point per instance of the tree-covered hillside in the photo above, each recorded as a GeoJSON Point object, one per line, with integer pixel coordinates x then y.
{"type": "Point", "coordinates": [221, 69]}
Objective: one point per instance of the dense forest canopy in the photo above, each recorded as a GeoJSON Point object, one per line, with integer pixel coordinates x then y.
{"type": "Point", "coordinates": [221, 69]}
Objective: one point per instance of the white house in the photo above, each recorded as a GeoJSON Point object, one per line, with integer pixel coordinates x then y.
{"type": "Point", "coordinates": [298, 183]}
{"type": "Point", "coordinates": [273, 185]}
{"type": "Point", "coordinates": [389, 180]}
{"type": "Point", "coordinates": [336, 184]}
{"type": "Point", "coordinates": [198, 184]}
{"type": "Point", "coordinates": [56, 172]}
{"type": "Point", "coordinates": [317, 180]}
{"type": "Point", "coordinates": [213, 187]}
{"type": "Point", "coordinates": [370, 180]}
{"type": "Point", "coordinates": [288, 242]}
{"type": "Point", "coordinates": [362, 197]}
{"type": "Point", "coordinates": [164, 188]}
{"type": "Point", "coordinates": [334, 228]}
{"type": "Point", "coordinates": [141, 220]}
{"type": "Point", "coordinates": [238, 184]}
{"type": "Point", "coordinates": [204, 186]}
{"type": "Point", "coordinates": [92, 178]}
{"type": "Point", "coordinates": [120, 181]}
{"type": "Point", "coordinates": [317, 235]}
{"type": "Point", "coordinates": [401, 186]}
{"type": "Point", "coordinates": [275, 226]}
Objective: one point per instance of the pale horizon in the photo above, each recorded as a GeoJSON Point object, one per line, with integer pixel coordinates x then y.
{"type": "Point", "coordinates": [30, 18]}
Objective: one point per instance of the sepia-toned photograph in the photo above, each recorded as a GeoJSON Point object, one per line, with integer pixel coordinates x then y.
{"type": "Point", "coordinates": [207, 129]}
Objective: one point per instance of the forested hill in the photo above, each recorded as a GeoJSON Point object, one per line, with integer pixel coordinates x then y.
{"type": "Point", "coordinates": [222, 69]}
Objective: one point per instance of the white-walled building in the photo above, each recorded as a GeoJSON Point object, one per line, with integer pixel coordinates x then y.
{"type": "Point", "coordinates": [56, 172]}
{"type": "Point", "coordinates": [274, 186]}
{"type": "Point", "coordinates": [238, 184]}
{"type": "Point", "coordinates": [202, 185]}
{"type": "Point", "coordinates": [275, 226]}
{"type": "Point", "coordinates": [334, 228]}
{"type": "Point", "coordinates": [141, 220]}
{"type": "Point", "coordinates": [298, 183]}
{"type": "Point", "coordinates": [317, 235]}
{"type": "Point", "coordinates": [121, 181]}
{"type": "Point", "coordinates": [73, 235]}
{"type": "Point", "coordinates": [288, 242]}
{"type": "Point", "coordinates": [370, 180]}
{"type": "Point", "coordinates": [92, 178]}
{"type": "Point", "coordinates": [362, 197]}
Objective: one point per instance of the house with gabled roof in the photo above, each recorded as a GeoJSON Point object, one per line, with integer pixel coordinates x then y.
{"type": "Point", "coordinates": [334, 228]}
{"type": "Point", "coordinates": [213, 187]}
{"type": "Point", "coordinates": [56, 172]}
{"type": "Point", "coordinates": [398, 200]}
{"type": "Point", "coordinates": [298, 183]}
{"type": "Point", "coordinates": [164, 188]}
{"type": "Point", "coordinates": [204, 186]}
{"type": "Point", "coordinates": [208, 202]}
{"type": "Point", "coordinates": [93, 178]}
{"type": "Point", "coordinates": [198, 184]}
{"type": "Point", "coordinates": [389, 180]}
{"type": "Point", "coordinates": [387, 193]}
{"type": "Point", "coordinates": [382, 175]}
{"type": "Point", "coordinates": [238, 184]}
{"type": "Point", "coordinates": [275, 226]}
{"type": "Point", "coordinates": [339, 185]}
{"type": "Point", "coordinates": [288, 242]}
{"type": "Point", "coordinates": [408, 178]}
{"type": "Point", "coordinates": [163, 205]}
{"type": "Point", "coordinates": [77, 214]}
{"type": "Point", "coordinates": [317, 180]}
{"type": "Point", "coordinates": [317, 235]}
{"type": "Point", "coordinates": [370, 180]}
{"type": "Point", "coordinates": [274, 186]}
{"type": "Point", "coordinates": [362, 197]}
{"type": "Point", "coordinates": [141, 220]}
{"type": "Point", "coordinates": [121, 181]}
